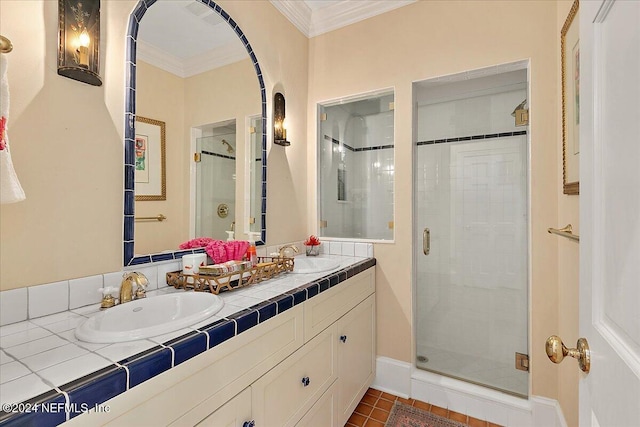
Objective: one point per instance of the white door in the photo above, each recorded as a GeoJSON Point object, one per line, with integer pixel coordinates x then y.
{"type": "Point", "coordinates": [610, 211]}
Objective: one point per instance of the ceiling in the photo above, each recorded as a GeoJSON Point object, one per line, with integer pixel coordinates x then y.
{"type": "Point", "coordinates": [198, 39]}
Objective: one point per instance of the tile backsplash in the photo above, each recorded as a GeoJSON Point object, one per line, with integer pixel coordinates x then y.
{"type": "Point", "coordinates": [17, 305]}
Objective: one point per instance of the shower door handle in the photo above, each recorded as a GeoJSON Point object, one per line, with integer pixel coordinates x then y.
{"type": "Point", "coordinates": [426, 241]}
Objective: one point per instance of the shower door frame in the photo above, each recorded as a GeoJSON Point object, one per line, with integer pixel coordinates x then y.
{"type": "Point", "coordinates": [418, 374]}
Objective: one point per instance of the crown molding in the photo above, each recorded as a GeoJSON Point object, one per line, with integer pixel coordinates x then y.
{"type": "Point", "coordinates": [214, 58]}
{"type": "Point", "coordinates": [335, 15]}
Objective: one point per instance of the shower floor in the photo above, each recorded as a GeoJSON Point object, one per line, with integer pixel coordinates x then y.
{"type": "Point", "coordinates": [489, 373]}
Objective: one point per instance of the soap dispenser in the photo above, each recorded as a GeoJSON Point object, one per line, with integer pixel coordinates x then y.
{"type": "Point", "coordinates": [252, 255]}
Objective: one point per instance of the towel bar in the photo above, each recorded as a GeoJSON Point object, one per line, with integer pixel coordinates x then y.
{"type": "Point", "coordinates": [565, 232]}
{"type": "Point", "coordinates": [158, 218]}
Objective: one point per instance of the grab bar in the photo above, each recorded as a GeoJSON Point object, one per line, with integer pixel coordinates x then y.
{"type": "Point", "coordinates": [565, 232]}
{"type": "Point", "coordinates": [158, 218]}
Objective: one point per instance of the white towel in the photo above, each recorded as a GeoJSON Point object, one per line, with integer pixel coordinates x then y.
{"type": "Point", "coordinates": [10, 189]}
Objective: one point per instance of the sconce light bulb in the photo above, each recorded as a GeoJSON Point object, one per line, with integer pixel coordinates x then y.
{"type": "Point", "coordinates": [84, 38]}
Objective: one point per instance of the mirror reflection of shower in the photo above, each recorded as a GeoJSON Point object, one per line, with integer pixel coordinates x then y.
{"type": "Point", "coordinates": [215, 164]}
{"type": "Point", "coordinates": [356, 167]}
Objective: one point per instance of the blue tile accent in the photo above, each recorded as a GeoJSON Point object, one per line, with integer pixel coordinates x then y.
{"type": "Point", "coordinates": [149, 2]}
{"type": "Point", "coordinates": [285, 302]}
{"type": "Point", "coordinates": [131, 99]}
{"type": "Point", "coordinates": [128, 228]}
{"type": "Point", "coordinates": [131, 49]}
{"type": "Point", "coordinates": [224, 15]}
{"type": "Point", "coordinates": [266, 310]}
{"type": "Point", "coordinates": [233, 24]}
{"type": "Point", "coordinates": [147, 365]}
{"type": "Point", "coordinates": [324, 285]}
{"type": "Point", "coordinates": [217, 8]}
{"type": "Point", "coordinates": [220, 331]}
{"type": "Point", "coordinates": [145, 259]}
{"type": "Point", "coordinates": [198, 251]}
{"type": "Point", "coordinates": [129, 132]}
{"type": "Point", "coordinates": [334, 280]}
{"type": "Point", "coordinates": [133, 28]}
{"type": "Point", "coordinates": [129, 156]}
{"type": "Point", "coordinates": [186, 348]}
{"type": "Point", "coordinates": [95, 388]}
{"type": "Point", "coordinates": [245, 319]}
{"type": "Point", "coordinates": [162, 257]}
{"type": "Point", "coordinates": [299, 296]}
{"type": "Point", "coordinates": [128, 252]}
{"type": "Point", "coordinates": [129, 203]}
{"type": "Point", "coordinates": [140, 10]}
{"type": "Point", "coordinates": [312, 290]}
{"type": "Point", "coordinates": [55, 415]}
{"type": "Point", "coordinates": [129, 176]}
{"type": "Point", "coordinates": [180, 254]}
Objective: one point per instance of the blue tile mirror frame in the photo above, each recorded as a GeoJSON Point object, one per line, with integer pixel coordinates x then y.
{"type": "Point", "coordinates": [129, 138]}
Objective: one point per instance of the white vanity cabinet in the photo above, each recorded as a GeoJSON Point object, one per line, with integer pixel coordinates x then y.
{"type": "Point", "coordinates": [308, 366]}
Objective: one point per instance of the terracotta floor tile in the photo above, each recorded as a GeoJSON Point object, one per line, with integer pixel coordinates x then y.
{"type": "Point", "coordinates": [439, 411]}
{"type": "Point", "coordinates": [374, 392]}
{"type": "Point", "coordinates": [384, 404]}
{"type": "Point", "coordinates": [357, 420]}
{"type": "Point", "coordinates": [373, 411]}
{"type": "Point", "coordinates": [364, 409]}
{"type": "Point", "coordinates": [379, 414]}
{"type": "Point", "coordinates": [369, 399]}
{"type": "Point", "coordinates": [388, 396]}
{"type": "Point", "coordinates": [474, 422]}
{"type": "Point", "coordinates": [457, 416]}
{"type": "Point", "coordinates": [406, 401]}
{"type": "Point", "coordinates": [422, 405]}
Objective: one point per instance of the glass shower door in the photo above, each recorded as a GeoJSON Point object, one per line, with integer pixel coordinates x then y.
{"type": "Point", "coordinates": [471, 288]}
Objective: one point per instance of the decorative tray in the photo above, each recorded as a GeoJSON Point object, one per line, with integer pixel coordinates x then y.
{"type": "Point", "coordinates": [267, 268]}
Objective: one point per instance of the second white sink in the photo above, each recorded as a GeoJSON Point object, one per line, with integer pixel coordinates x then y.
{"type": "Point", "coordinates": [149, 317]}
{"type": "Point", "coordinates": [305, 265]}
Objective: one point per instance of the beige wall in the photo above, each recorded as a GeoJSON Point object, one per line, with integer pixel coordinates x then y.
{"type": "Point", "coordinates": [160, 96]}
{"type": "Point", "coordinates": [568, 264]}
{"type": "Point", "coordinates": [67, 139]}
{"type": "Point", "coordinates": [429, 39]}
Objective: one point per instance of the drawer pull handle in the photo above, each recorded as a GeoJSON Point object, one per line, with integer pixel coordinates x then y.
{"type": "Point", "coordinates": [305, 381]}
{"type": "Point", "coordinates": [251, 423]}
{"type": "Point", "coordinates": [343, 338]}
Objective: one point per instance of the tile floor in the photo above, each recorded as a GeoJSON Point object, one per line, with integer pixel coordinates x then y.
{"type": "Point", "coordinates": [373, 411]}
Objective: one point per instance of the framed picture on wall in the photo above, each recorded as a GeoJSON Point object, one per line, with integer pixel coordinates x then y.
{"type": "Point", "coordinates": [150, 164]}
{"type": "Point", "coordinates": [570, 58]}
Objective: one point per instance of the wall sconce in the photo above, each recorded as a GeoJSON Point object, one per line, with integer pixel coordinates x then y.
{"type": "Point", "coordinates": [79, 40]}
{"type": "Point", "coordinates": [279, 131]}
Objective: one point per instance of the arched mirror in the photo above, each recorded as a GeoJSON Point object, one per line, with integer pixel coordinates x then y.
{"type": "Point", "coordinates": [195, 150]}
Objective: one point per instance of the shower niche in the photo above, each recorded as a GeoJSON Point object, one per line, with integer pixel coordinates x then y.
{"type": "Point", "coordinates": [356, 167]}
{"type": "Point", "coordinates": [470, 151]}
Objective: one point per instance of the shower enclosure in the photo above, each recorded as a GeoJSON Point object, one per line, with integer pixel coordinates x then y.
{"type": "Point", "coordinates": [356, 167]}
{"type": "Point", "coordinates": [471, 227]}
{"type": "Point", "coordinates": [215, 181]}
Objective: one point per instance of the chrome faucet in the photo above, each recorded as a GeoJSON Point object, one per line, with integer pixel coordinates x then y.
{"type": "Point", "coordinates": [126, 287]}
{"type": "Point", "coordinates": [287, 251]}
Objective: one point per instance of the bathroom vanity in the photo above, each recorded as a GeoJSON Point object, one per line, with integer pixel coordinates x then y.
{"type": "Point", "coordinates": [304, 357]}
{"type": "Point", "coordinates": [310, 365]}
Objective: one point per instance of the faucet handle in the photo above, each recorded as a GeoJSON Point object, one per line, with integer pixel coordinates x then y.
{"type": "Point", "coordinates": [141, 282]}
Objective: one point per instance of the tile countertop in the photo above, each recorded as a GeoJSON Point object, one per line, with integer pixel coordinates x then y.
{"type": "Point", "coordinates": [41, 360]}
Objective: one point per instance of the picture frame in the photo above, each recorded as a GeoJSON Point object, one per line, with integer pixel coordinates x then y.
{"type": "Point", "coordinates": [570, 65]}
{"type": "Point", "coordinates": [150, 160]}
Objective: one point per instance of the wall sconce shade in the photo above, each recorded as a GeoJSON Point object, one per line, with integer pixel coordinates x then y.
{"type": "Point", "coordinates": [279, 131]}
{"type": "Point", "coordinates": [79, 40]}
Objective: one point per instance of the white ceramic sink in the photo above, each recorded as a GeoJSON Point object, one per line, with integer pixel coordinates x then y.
{"type": "Point", "coordinates": [304, 265]}
{"type": "Point", "coordinates": [149, 317]}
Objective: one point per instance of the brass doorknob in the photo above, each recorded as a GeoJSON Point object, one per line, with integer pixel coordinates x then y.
{"type": "Point", "coordinates": [556, 350]}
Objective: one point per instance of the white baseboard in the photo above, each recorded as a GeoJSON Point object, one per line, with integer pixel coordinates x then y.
{"type": "Point", "coordinates": [402, 379]}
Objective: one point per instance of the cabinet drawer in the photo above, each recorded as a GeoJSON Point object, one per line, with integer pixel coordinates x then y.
{"type": "Point", "coordinates": [323, 413]}
{"type": "Point", "coordinates": [288, 391]}
{"type": "Point", "coordinates": [234, 413]}
{"type": "Point", "coordinates": [327, 307]}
